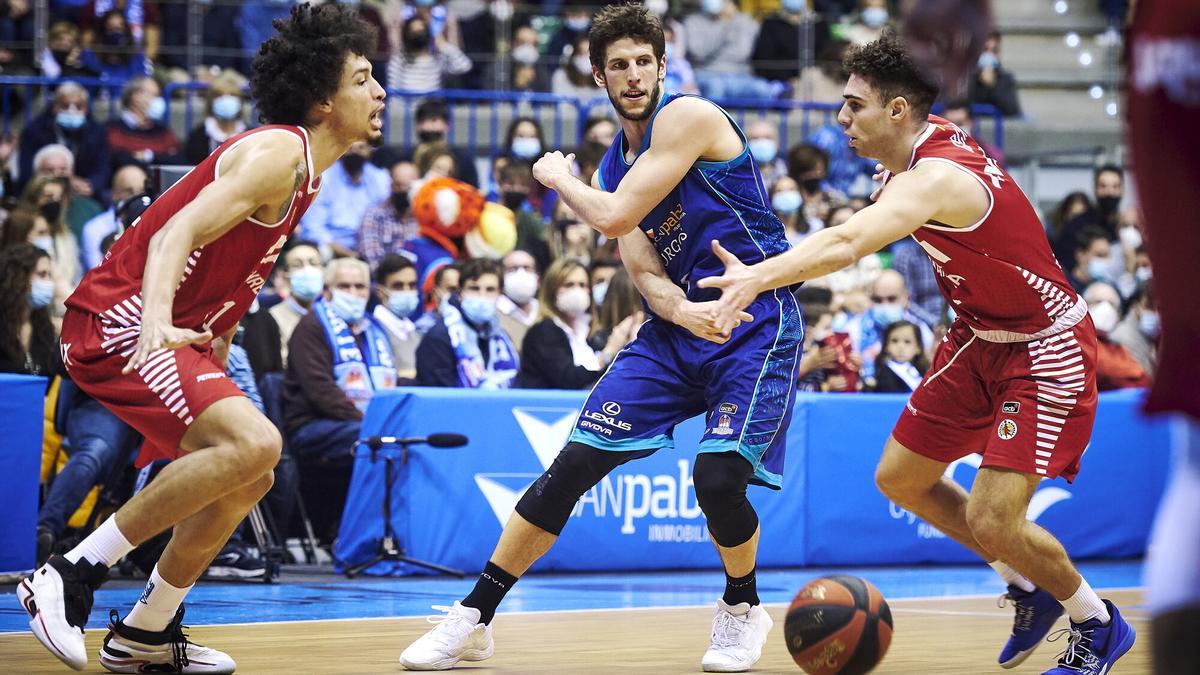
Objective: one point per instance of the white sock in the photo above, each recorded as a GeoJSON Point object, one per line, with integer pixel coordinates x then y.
{"type": "Point", "coordinates": [1085, 605]}
{"type": "Point", "coordinates": [158, 604]}
{"type": "Point", "coordinates": [1012, 577]}
{"type": "Point", "coordinates": [106, 545]}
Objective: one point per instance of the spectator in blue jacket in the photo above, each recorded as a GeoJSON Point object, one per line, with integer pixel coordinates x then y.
{"type": "Point", "coordinates": [68, 121]}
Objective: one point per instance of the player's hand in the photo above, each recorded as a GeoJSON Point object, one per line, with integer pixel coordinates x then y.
{"type": "Point", "coordinates": [738, 285]}
{"type": "Point", "coordinates": [880, 172]}
{"type": "Point", "coordinates": [700, 319]}
{"type": "Point", "coordinates": [156, 336]}
{"type": "Point", "coordinates": [552, 166]}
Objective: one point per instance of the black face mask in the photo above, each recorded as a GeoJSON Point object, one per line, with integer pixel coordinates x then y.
{"type": "Point", "coordinates": [1108, 205]}
{"type": "Point", "coordinates": [811, 184]}
{"type": "Point", "coordinates": [430, 136]}
{"type": "Point", "coordinates": [114, 39]}
{"type": "Point", "coordinates": [513, 200]}
{"type": "Point", "coordinates": [51, 211]}
{"type": "Point", "coordinates": [416, 42]}
{"type": "Point", "coordinates": [400, 202]}
{"type": "Point", "coordinates": [60, 57]}
{"type": "Point", "coordinates": [353, 164]}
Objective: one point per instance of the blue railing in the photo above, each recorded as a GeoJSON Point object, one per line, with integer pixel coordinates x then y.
{"type": "Point", "coordinates": [479, 118]}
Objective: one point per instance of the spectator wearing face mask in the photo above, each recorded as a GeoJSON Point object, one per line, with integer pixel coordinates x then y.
{"type": "Point", "coordinates": [305, 276]}
{"type": "Point", "coordinates": [63, 54]}
{"type": "Point", "coordinates": [425, 62]}
{"type": "Point", "coordinates": [515, 184]}
{"type": "Point", "coordinates": [526, 142]}
{"type": "Point", "coordinates": [115, 54]}
{"type": "Point", "coordinates": [28, 342]}
{"type": "Point", "coordinates": [1139, 331]}
{"type": "Point", "coordinates": [809, 166]}
{"type": "Point", "coordinates": [390, 223]}
{"type": "Point", "coordinates": [1108, 186]}
{"type": "Point", "coordinates": [991, 83]}
{"type": "Point", "coordinates": [1115, 366]}
{"type": "Point", "coordinates": [48, 197]}
{"type": "Point", "coordinates": [619, 301]}
{"type": "Point", "coordinates": [574, 76]}
{"type": "Point", "coordinates": [68, 121]}
{"type": "Point", "coordinates": [57, 161]}
{"type": "Point", "coordinates": [433, 125]}
{"type": "Point", "coordinates": [138, 134]}
{"type": "Point", "coordinates": [681, 77]}
{"type": "Point", "coordinates": [786, 203]}
{"type": "Point", "coordinates": [576, 19]}
{"type": "Point", "coordinates": [527, 67]}
{"type": "Point", "coordinates": [399, 304]}
{"type": "Point", "coordinates": [348, 188]}
{"type": "Point", "coordinates": [142, 22]}
{"type": "Point", "coordinates": [518, 305]}
{"type": "Point", "coordinates": [556, 352]}
{"type": "Point", "coordinates": [868, 24]}
{"type": "Point", "coordinates": [128, 181]}
{"type": "Point", "coordinates": [601, 272]}
{"type": "Point", "coordinates": [720, 40]}
{"type": "Point", "coordinates": [762, 137]}
{"type": "Point", "coordinates": [327, 389]}
{"type": "Point", "coordinates": [466, 347]}
{"type": "Point", "coordinates": [225, 107]}
{"type": "Point", "coordinates": [1091, 261]}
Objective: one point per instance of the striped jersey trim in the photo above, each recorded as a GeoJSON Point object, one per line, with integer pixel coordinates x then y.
{"type": "Point", "coordinates": [1056, 365]}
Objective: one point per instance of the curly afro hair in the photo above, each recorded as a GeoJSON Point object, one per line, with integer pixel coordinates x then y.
{"type": "Point", "coordinates": [887, 65]}
{"type": "Point", "coordinates": [302, 64]}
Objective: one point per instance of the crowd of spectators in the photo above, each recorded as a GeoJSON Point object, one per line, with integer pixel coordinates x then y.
{"type": "Point", "coordinates": [427, 303]}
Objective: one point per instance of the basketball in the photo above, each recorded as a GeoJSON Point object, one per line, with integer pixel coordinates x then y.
{"type": "Point", "coordinates": [838, 624]}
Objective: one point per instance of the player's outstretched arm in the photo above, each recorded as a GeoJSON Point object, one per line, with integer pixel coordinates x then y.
{"type": "Point", "coordinates": [265, 171]}
{"type": "Point", "coordinates": [912, 198]}
{"type": "Point", "coordinates": [684, 131]}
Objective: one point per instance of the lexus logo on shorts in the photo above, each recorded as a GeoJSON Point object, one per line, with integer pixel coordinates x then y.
{"type": "Point", "coordinates": [611, 408]}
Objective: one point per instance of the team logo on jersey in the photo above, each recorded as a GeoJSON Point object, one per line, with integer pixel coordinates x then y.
{"type": "Point", "coordinates": [730, 408]}
{"type": "Point", "coordinates": [723, 426]}
{"type": "Point", "coordinates": [1011, 407]}
{"type": "Point", "coordinates": [1007, 429]}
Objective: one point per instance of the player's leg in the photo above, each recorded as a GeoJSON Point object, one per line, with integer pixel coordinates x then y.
{"type": "Point", "coordinates": [1172, 573]}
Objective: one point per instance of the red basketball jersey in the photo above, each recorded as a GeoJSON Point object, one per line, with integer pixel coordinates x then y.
{"type": "Point", "coordinates": [999, 274]}
{"type": "Point", "coordinates": [220, 279]}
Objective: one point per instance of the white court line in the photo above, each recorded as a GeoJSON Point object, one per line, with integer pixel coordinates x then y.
{"type": "Point", "coordinates": [631, 609]}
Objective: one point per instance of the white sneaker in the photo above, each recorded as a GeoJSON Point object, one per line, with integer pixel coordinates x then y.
{"type": "Point", "coordinates": [58, 598]}
{"type": "Point", "coordinates": [133, 650]}
{"type": "Point", "coordinates": [738, 635]}
{"type": "Point", "coordinates": [457, 636]}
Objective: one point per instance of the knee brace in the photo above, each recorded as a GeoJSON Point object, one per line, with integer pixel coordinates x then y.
{"type": "Point", "coordinates": [720, 479]}
{"type": "Point", "coordinates": [549, 501]}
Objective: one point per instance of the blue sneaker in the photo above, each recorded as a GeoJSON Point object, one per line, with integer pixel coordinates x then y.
{"type": "Point", "coordinates": [1093, 648]}
{"type": "Point", "coordinates": [1037, 611]}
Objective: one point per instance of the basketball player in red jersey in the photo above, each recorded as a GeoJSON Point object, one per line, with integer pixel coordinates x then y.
{"type": "Point", "coordinates": [147, 334]}
{"type": "Point", "coordinates": [1014, 379]}
{"type": "Point", "coordinates": [1163, 71]}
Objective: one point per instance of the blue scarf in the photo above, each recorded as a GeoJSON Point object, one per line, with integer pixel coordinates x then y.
{"type": "Point", "coordinates": [473, 373]}
{"type": "Point", "coordinates": [358, 377]}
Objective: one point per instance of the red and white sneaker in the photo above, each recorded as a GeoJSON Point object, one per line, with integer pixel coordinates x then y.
{"type": "Point", "coordinates": [58, 597]}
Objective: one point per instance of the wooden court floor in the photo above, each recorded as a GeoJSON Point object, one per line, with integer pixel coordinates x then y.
{"type": "Point", "coordinates": [952, 636]}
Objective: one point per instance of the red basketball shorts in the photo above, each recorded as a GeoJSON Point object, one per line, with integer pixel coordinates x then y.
{"type": "Point", "coordinates": [1026, 406]}
{"type": "Point", "coordinates": [161, 399]}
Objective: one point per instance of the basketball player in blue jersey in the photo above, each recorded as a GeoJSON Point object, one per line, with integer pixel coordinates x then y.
{"type": "Point", "coordinates": [677, 176]}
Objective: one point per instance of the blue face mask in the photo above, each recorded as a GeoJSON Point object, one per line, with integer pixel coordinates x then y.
{"type": "Point", "coordinates": [226, 107]}
{"type": "Point", "coordinates": [403, 303]}
{"type": "Point", "coordinates": [713, 7]}
{"type": "Point", "coordinates": [578, 24]}
{"type": "Point", "coordinates": [875, 17]}
{"type": "Point", "coordinates": [69, 119]}
{"type": "Point", "coordinates": [793, 6]}
{"type": "Point", "coordinates": [887, 314]}
{"type": "Point", "coordinates": [526, 148]}
{"type": "Point", "coordinates": [479, 311]}
{"type": "Point", "coordinates": [1098, 269]}
{"type": "Point", "coordinates": [306, 282]}
{"type": "Point", "coordinates": [157, 108]}
{"type": "Point", "coordinates": [350, 308]}
{"type": "Point", "coordinates": [988, 60]}
{"type": "Point", "coordinates": [764, 150]}
{"type": "Point", "coordinates": [41, 293]}
{"type": "Point", "coordinates": [787, 202]}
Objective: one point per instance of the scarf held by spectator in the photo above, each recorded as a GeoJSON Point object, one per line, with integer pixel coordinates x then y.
{"type": "Point", "coordinates": [358, 375]}
{"type": "Point", "coordinates": [473, 373]}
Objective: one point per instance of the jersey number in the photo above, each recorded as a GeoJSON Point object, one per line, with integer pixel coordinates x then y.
{"type": "Point", "coordinates": [208, 323]}
{"type": "Point", "coordinates": [993, 172]}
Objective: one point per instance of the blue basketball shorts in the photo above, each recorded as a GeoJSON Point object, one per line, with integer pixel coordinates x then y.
{"type": "Point", "coordinates": [745, 388]}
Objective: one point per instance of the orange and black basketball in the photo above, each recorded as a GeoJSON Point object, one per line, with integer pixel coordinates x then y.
{"type": "Point", "coordinates": [838, 625]}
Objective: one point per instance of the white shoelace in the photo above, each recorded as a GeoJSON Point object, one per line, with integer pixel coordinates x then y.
{"type": "Point", "coordinates": [1076, 656]}
{"type": "Point", "coordinates": [450, 627]}
{"type": "Point", "coordinates": [728, 629]}
{"type": "Point", "coordinates": [1024, 617]}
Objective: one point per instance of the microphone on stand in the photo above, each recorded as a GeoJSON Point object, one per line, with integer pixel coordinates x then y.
{"type": "Point", "coordinates": [446, 440]}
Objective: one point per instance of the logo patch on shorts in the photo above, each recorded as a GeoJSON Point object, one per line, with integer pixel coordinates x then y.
{"type": "Point", "coordinates": [723, 426]}
{"type": "Point", "coordinates": [1011, 407]}
{"type": "Point", "coordinates": [209, 376]}
{"type": "Point", "coordinates": [730, 408]}
{"type": "Point", "coordinates": [611, 408]}
{"type": "Point", "coordinates": [1007, 429]}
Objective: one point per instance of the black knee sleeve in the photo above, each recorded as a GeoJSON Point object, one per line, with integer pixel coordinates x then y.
{"type": "Point", "coordinates": [549, 501]}
{"type": "Point", "coordinates": [720, 479]}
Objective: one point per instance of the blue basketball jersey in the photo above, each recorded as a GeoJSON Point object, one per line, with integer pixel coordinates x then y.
{"type": "Point", "coordinates": [714, 200]}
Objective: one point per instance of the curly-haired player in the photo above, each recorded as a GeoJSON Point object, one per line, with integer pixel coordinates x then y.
{"type": "Point", "coordinates": [147, 334]}
{"type": "Point", "coordinates": [1013, 380]}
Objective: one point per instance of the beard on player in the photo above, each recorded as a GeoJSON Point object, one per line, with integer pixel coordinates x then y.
{"type": "Point", "coordinates": [650, 102]}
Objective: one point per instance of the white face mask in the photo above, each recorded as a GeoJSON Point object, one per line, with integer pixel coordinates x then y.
{"type": "Point", "coordinates": [527, 54]}
{"type": "Point", "coordinates": [599, 291]}
{"type": "Point", "coordinates": [44, 243]}
{"type": "Point", "coordinates": [573, 302]}
{"type": "Point", "coordinates": [520, 286]}
{"type": "Point", "coordinates": [1105, 316]}
{"type": "Point", "coordinates": [582, 63]}
{"type": "Point", "coordinates": [350, 308]}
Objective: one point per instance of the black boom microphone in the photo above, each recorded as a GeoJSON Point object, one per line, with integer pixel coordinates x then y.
{"type": "Point", "coordinates": [446, 440]}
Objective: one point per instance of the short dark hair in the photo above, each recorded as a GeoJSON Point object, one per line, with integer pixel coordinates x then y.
{"type": "Point", "coordinates": [441, 273]}
{"type": "Point", "coordinates": [1108, 168]}
{"type": "Point", "coordinates": [432, 108]}
{"type": "Point", "coordinates": [476, 268]}
{"type": "Point", "coordinates": [618, 21]}
{"type": "Point", "coordinates": [1090, 233]}
{"type": "Point", "coordinates": [391, 264]}
{"type": "Point", "coordinates": [302, 64]}
{"type": "Point", "coordinates": [887, 66]}
{"type": "Point", "coordinates": [804, 157]}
